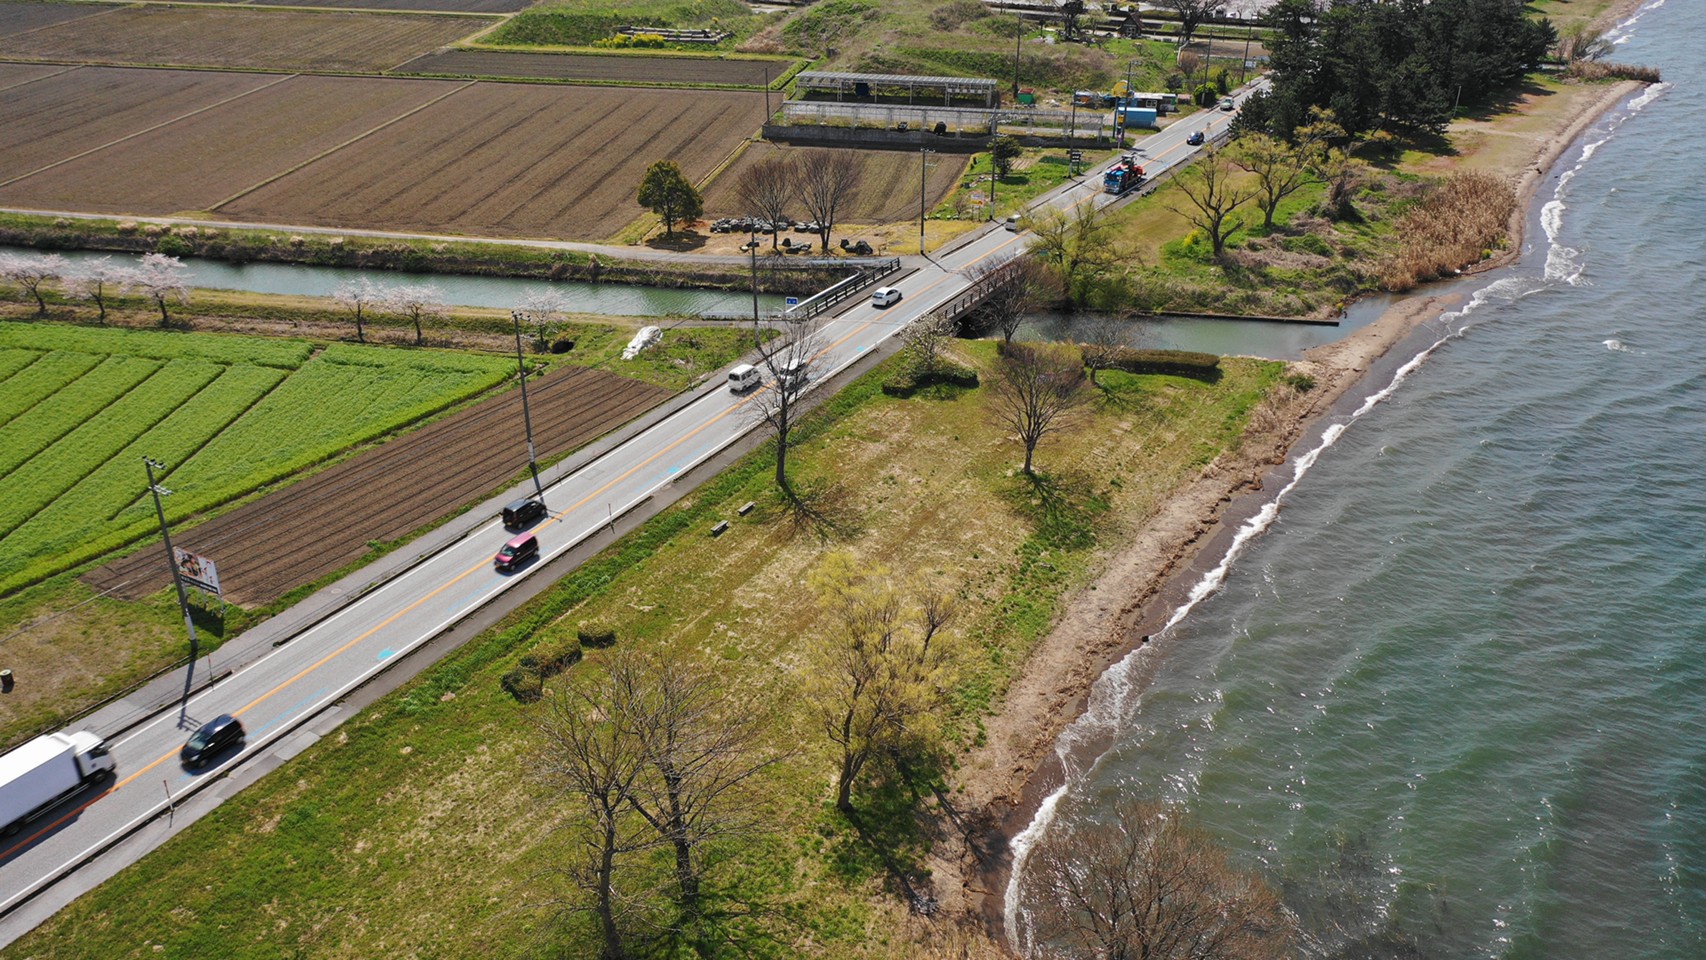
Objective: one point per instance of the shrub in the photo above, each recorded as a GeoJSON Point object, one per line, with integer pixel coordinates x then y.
{"type": "Point", "coordinates": [908, 382]}
{"type": "Point", "coordinates": [526, 682]}
{"type": "Point", "coordinates": [174, 246]}
{"type": "Point", "coordinates": [126, 227]}
{"type": "Point", "coordinates": [524, 685]}
{"type": "Point", "coordinates": [596, 635]}
{"type": "Point", "coordinates": [1180, 363]}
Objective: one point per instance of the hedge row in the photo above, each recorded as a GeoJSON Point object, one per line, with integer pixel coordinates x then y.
{"type": "Point", "coordinates": [908, 382]}
{"type": "Point", "coordinates": [526, 682]}
{"type": "Point", "coordinates": [1179, 363]}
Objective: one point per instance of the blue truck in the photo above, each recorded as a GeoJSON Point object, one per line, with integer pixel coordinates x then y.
{"type": "Point", "coordinates": [1122, 176]}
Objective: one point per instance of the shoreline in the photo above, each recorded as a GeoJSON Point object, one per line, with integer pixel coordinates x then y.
{"type": "Point", "coordinates": [999, 785]}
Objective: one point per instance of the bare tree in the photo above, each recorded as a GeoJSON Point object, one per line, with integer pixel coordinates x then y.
{"type": "Point", "coordinates": [1581, 40]}
{"type": "Point", "coordinates": [162, 279]}
{"type": "Point", "coordinates": [542, 316]}
{"type": "Point", "coordinates": [927, 339]}
{"type": "Point", "coordinates": [1142, 884]}
{"type": "Point", "coordinates": [1192, 14]}
{"type": "Point", "coordinates": [788, 361]}
{"type": "Point", "coordinates": [95, 281]}
{"type": "Point", "coordinates": [359, 296]}
{"type": "Point", "coordinates": [1017, 287]}
{"type": "Point", "coordinates": [883, 672]}
{"type": "Point", "coordinates": [1034, 389]}
{"type": "Point", "coordinates": [1211, 197]}
{"type": "Point", "coordinates": [30, 271]}
{"type": "Point", "coordinates": [826, 181]}
{"type": "Point", "coordinates": [589, 757]}
{"type": "Point", "coordinates": [701, 748]}
{"type": "Point", "coordinates": [416, 302]}
{"type": "Point", "coordinates": [1078, 243]}
{"type": "Point", "coordinates": [1103, 339]}
{"type": "Point", "coordinates": [767, 188]}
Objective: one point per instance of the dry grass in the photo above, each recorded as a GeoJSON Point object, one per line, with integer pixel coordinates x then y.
{"type": "Point", "coordinates": [1598, 70]}
{"type": "Point", "coordinates": [1457, 222]}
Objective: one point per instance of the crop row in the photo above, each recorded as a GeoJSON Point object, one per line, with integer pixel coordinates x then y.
{"type": "Point", "coordinates": [81, 451]}
{"type": "Point", "coordinates": [160, 345]}
{"type": "Point", "coordinates": [108, 508]}
{"type": "Point", "coordinates": [435, 361]}
{"type": "Point", "coordinates": [11, 361]}
{"type": "Point", "coordinates": [318, 411]}
{"type": "Point", "coordinates": [32, 384]}
{"type": "Point", "coordinates": [31, 432]}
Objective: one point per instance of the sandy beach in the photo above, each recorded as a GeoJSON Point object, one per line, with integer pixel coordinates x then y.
{"type": "Point", "coordinates": [998, 784]}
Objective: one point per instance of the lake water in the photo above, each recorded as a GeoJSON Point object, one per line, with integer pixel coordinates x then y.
{"type": "Point", "coordinates": [1450, 698]}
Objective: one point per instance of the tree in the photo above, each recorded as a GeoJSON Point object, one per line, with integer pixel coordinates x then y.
{"type": "Point", "coordinates": [1281, 169]}
{"type": "Point", "coordinates": [359, 296]}
{"type": "Point", "coordinates": [588, 756]}
{"type": "Point", "coordinates": [1003, 150]}
{"type": "Point", "coordinates": [1103, 338]}
{"type": "Point", "coordinates": [883, 673]}
{"type": "Point", "coordinates": [1211, 197]}
{"type": "Point", "coordinates": [787, 361]}
{"type": "Point", "coordinates": [1078, 244]}
{"type": "Point", "coordinates": [667, 193]}
{"type": "Point", "coordinates": [700, 746]}
{"type": "Point", "coordinates": [927, 339]}
{"type": "Point", "coordinates": [1035, 388]}
{"type": "Point", "coordinates": [95, 281]}
{"type": "Point", "coordinates": [162, 279]}
{"type": "Point", "coordinates": [416, 302]}
{"type": "Point", "coordinates": [766, 188]}
{"type": "Point", "coordinates": [1070, 11]}
{"type": "Point", "coordinates": [1581, 40]}
{"type": "Point", "coordinates": [826, 181]}
{"type": "Point", "coordinates": [542, 316]}
{"type": "Point", "coordinates": [1017, 287]}
{"type": "Point", "coordinates": [1143, 884]}
{"type": "Point", "coordinates": [30, 271]}
{"type": "Point", "coordinates": [1191, 14]}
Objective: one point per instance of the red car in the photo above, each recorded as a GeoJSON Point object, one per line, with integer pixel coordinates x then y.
{"type": "Point", "coordinates": [516, 552]}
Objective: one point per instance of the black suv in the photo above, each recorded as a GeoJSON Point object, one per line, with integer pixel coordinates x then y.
{"type": "Point", "coordinates": [215, 735]}
{"type": "Point", "coordinates": [522, 512]}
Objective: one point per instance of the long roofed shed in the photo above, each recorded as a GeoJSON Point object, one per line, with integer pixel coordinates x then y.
{"type": "Point", "coordinates": [887, 85]}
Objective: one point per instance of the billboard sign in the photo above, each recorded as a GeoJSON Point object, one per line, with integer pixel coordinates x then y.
{"type": "Point", "coordinates": [197, 571]}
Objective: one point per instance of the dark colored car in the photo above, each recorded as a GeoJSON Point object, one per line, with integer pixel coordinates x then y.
{"type": "Point", "coordinates": [213, 737]}
{"type": "Point", "coordinates": [1195, 139]}
{"type": "Point", "coordinates": [523, 512]}
{"type": "Point", "coordinates": [516, 552]}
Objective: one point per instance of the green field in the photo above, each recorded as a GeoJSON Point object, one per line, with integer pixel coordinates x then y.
{"type": "Point", "coordinates": [80, 407]}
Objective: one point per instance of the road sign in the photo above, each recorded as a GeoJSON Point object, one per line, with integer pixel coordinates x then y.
{"type": "Point", "coordinates": [791, 301]}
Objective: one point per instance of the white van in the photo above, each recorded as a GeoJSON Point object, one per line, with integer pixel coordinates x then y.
{"type": "Point", "coordinates": [1012, 223]}
{"type": "Point", "coordinates": [885, 296]}
{"type": "Point", "coordinates": [743, 378]}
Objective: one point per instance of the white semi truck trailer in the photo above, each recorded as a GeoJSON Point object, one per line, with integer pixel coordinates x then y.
{"type": "Point", "coordinates": [39, 774]}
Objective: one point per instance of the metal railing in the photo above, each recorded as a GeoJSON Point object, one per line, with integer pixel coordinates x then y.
{"type": "Point", "coordinates": [824, 299]}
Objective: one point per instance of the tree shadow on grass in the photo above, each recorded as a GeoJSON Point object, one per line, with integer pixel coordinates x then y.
{"type": "Point", "coordinates": [683, 240]}
{"type": "Point", "coordinates": [1063, 507]}
{"type": "Point", "coordinates": [820, 508]}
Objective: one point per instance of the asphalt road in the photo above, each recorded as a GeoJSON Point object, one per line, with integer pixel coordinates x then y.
{"type": "Point", "coordinates": [289, 686]}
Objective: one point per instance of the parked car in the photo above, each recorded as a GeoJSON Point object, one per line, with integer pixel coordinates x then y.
{"type": "Point", "coordinates": [1195, 139]}
{"type": "Point", "coordinates": [213, 737]}
{"type": "Point", "coordinates": [885, 296]}
{"type": "Point", "coordinates": [516, 552]}
{"type": "Point", "coordinates": [522, 512]}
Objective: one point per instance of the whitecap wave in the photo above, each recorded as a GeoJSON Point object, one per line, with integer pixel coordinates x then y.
{"type": "Point", "coordinates": [1616, 344]}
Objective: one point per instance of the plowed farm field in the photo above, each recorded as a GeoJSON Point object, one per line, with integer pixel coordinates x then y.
{"type": "Point", "coordinates": [613, 69]}
{"type": "Point", "coordinates": [888, 183]}
{"type": "Point", "coordinates": [511, 160]}
{"type": "Point", "coordinates": [18, 74]}
{"type": "Point", "coordinates": [16, 18]}
{"type": "Point", "coordinates": [320, 524]}
{"type": "Point", "coordinates": [250, 39]}
{"type": "Point", "coordinates": [279, 124]}
{"type": "Point", "coordinates": [424, 6]}
{"type": "Point", "coordinates": [443, 156]}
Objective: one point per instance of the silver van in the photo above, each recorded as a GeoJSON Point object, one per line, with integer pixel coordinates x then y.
{"type": "Point", "coordinates": [743, 378]}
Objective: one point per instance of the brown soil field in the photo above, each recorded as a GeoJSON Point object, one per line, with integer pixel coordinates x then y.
{"type": "Point", "coordinates": [261, 135]}
{"type": "Point", "coordinates": [311, 528]}
{"type": "Point", "coordinates": [424, 6]}
{"type": "Point", "coordinates": [16, 18]}
{"type": "Point", "coordinates": [888, 183]}
{"type": "Point", "coordinates": [640, 71]}
{"type": "Point", "coordinates": [64, 115]}
{"type": "Point", "coordinates": [233, 37]}
{"type": "Point", "coordinates": [18, 74]}
{"type": "Point", "coordinates": [511, 160]}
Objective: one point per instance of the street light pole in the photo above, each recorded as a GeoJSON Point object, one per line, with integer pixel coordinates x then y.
{"type": "Point", "coordinates": [171, 556]}
{"type": "Point", "coordinates": [922, 153]}
{"type": "Point", "coordinates": [526, 414]}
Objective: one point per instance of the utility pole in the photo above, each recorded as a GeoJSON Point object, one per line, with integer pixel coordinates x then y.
{"type": "Point", "coordinates": [751, 247]}
{"type": "Point", "coordinates": [922, 153]}
{"type": "Point", "coordinates": [1245, 63]}
{"type": "Point", "coordinates": [992, 172]}
{"type": "Point", "coordinates": [172, 557]}
{"type": "Point", "coordinates": [526, 414]}
{"type": "Point", "coordinates": [1018, 35]}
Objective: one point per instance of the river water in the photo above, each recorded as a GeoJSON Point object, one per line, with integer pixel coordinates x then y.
{"type": "Point", "coordinates": [608, 299]}
{"type": "Point", "coordinates": [1450, 697]}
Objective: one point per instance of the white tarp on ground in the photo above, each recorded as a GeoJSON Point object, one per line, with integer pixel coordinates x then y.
{"type": "Point", "coordinates": [645, 338]}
